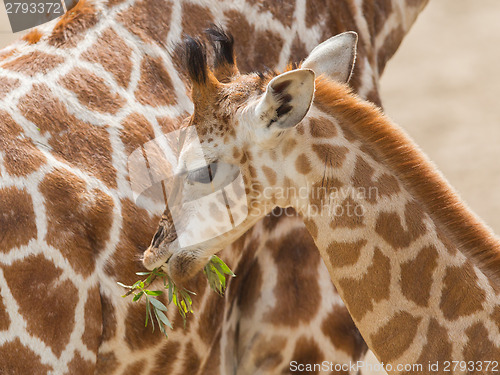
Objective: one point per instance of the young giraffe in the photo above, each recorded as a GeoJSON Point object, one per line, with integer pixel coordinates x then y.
{"type": "Point", "coordinates": [77, 96]}
{"type": "Point", "coordinates": [417, 270]}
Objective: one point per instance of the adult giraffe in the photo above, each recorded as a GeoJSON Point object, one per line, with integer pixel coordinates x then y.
{"type": "Point", "coordinates": [77, 96]}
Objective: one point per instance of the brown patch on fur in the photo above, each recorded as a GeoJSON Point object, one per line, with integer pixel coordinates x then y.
{"type": "Point", "coordinates": [322, 128]}
{"type": "Point", "coordinates": [108, 51]}
{"type": "Point", "coordinates": [149, 20]}
{"type": "Point", "coordinates": [288, 146]}
{"type": "Point", "coordinates": [92, 91]}
{"type": "Point", "coordinates": [376, 14]}
{"type": "Point", "coordinates": [384, 185]}
{"type": "Point", "coordinates": [136, 132]}
{"type": "Point", "coordinates": [192, 360]}
{"type": "Point", "coordinates": [33, 63]}
{"type": "Point", "coordinates": [44, 300]}
{"type": "Point", "coordinates": [395, 336]}
{"type": "Point", "coordinates": [80, 223]}
{"type": "Point", "coordinates": [343, 254]}
{"type": "Point", "coordinates": [437, 348]}
{"type": "Point", "coordinates": [106, 363]}
{"type": "Point", "coordinates": [415, 172]}
{"type": "Point", "coordinates": [93, 320]}
{"type": "Point", "coordinates": [7, 85]}
{"type": "Point", "coordinates": [260, 48]}
{"type": "Point", "coordinates": [298, 50]}
{"type": "Point", "coordinates": [359, 295]}
{"type": "Point", "coordinates": [321, 192]}
{"type": "Point", "coordinates": [74, 141]}
{"type": "Point", "coordinates": [108, 319]}
{"type": "Point", "coordinates": [332, 156]}
{"type": "Point", "coordinates": [33, 37]}
{"type": "Point", "coordinates": [4, 316]}
{"type": "Point", "coordinates": [166, 358]}
{"type": "Point", "coordinates": [281, 10]}
{"type": "Point", "coordinates": [212, 314]}
{"type": "Point", "coordinates": [307, 352]}
{"type": "Point", "coordinates": [270, 175]}
{"type": "Point", "coordinates": [135, 368]}
{"type": "Point", "coordinates": [18, 359]}
{"type": "Point", "coordinates": [312, 228]}
{"type": "Point", "coordinates": [21, 157]}
{"type": "Point", "coordinates": [348, 215]}
{"type": "Point", "coordinates": [416, 276]}
{"type": "Point", "coordinates": [480, 348]}
{"type": "Point", "coordinates": [78, 365]}
{"type": "Point", "coordinates": [137, 336]}
{"type": "Point", "coordinates": [138, 228]}
{"type": "Point", "coordinates": [302, 164]}
{"type": "Point", "coordinates": [268, 352]}
{"type": "Point", "coordinates": [17, 219]}
{"type": "Point", "coordinates": [5, 54]}
{"type": "Point", "coordinates": [72, 26]}
{"type": "Point", "coordinates": [390, 226]}
{"type": "Point", "coordinates": [343, 333]}
{"type": "Point", "coordinates": [155, 87]}
{"type": "Point", "coordinates": [194, 18]}
{"type": "Point", "coordinates": [390, 46]}
{"type": "Point", "coordinates": [461, 296]}
{"type": "Point", "coordinates": [297, 259]}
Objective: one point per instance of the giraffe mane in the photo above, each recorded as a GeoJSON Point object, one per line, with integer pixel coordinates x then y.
{"type": "Point", "coordinates": [417, 173]}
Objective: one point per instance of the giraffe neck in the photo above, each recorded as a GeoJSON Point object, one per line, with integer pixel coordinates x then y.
{"type": "Point", "coordinates": [414, 267]}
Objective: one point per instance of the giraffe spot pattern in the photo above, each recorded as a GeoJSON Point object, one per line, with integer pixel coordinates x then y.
{"type": "Point", "coordinates": [302, 164]}
{"type": "Point", "coordinates": [339, 327]}
{"type": "Point", "coordinates": [195, 18]}
{"type": "Point", "coordinates": [33, 63]}
{"type": "Point", "coordinates": [17, 219]}
{"type": "Point", "coordinates": [92, 91]}
{"type": "Point", "coordinates": [461, 295]}
{"type": "Point", "coordinates": [80, 220]}
{"type": "Point", "coordinates": [44, 300]}
{"type": "Point", "coordinates": [192, 360]}
{"type": "Point", "coordinates": [384, 185]}
{"type": "Point", "coordinates": [109, 49]}
{"type": "Point", "coordinates": [4, 316]}
{"type": "Point", "coordinates": [480, 348]}
{"type": "Point", "coordinates": [137, 336]}
{"type": "Point", "coordinates": [307, 352]}
{"type": "Point", "coordinates": [20, 157]}
{"type": "Point", "coordinates": [344, 253]}
{"type": "Point", "coordinates": [33, 37]}
{"type": "Point", "coordinates": [80, 366]}
{"type": "Point", "coordinates": [322, 128]}
{"type": "Point", "coordinates": [155, 86]}
{"type": "Point", "coordinates": [348, 214]}
{"type": "Point", "coordinates": [149, 20]}
{"type": "Point", "coordinates": [437, 347]}
{"type": "Point", "coordinates": [359, 295]}
{"type": "Point", "coordinates": [267, 354]}
{"type": "Point", "coordinates": [15, 358]}
{"type": "Point", "coordinates": [416, 276]}
{"type": "Point", "coordinates": [106, 363]}
{"type": "Point", "coordinates": [72, 140]}
{"type": "Point", "coordinates": [270, 174]}
{"type": "Point", "coordinates": [164, 362]}
{"type": "Point", "coordinates": [390, 341]}
{"type": "Point", "coordinates": [136, 131]}
{"type": "Point", "coordinates": [7, 85]}
{"type": "Point", "coordinates": [109, 323]}
{"type": "Point", "coordinates": [330, 155]}
{"type": "Point", "coordinates": [93, 320]}
{"type": "Point", "coordinates": [389, 226]}
{"type": "Point", "coordinates": [297, 260]}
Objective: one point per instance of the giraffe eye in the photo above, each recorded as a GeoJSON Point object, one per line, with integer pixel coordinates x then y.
{"type": "Point", "coordinates": [203, 175]}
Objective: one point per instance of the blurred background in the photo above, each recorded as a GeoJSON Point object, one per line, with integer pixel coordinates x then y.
{"type": "Point", "coordinates": [443, 87]}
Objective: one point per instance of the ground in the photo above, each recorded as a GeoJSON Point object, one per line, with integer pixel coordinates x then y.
{"type": "Point", "coordinates": [443, 87]}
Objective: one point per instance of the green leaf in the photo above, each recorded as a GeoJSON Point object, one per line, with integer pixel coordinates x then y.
{"type": "Point", "coordinates": [148, 312]}
{"type": "Point", "coordinates": [142, 273]}
{"type": "Point", "coordinates": [153, 292]}
{"type": "Point", "coordinates": [158, 304]}
{"type": "Point", "coordinates": [164, 319]}
{"type": "Point", "coordinates": [137, 297]}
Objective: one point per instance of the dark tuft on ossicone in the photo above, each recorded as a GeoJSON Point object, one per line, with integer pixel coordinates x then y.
{"type": "Point", "coordinates": [223, 44]}
{"type": "Point", "coordinates": [196, 59]}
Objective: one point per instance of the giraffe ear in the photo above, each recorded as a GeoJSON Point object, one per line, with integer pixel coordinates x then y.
{"type": "Point", "coordinates": [334, 57]}
{"type": "Point", "coordinates": [287, 100]}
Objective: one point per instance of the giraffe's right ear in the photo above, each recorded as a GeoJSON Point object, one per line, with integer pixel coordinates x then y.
{"type": "Point", "coordinates": [334, 57]}
{"type": "Point", "coordinates": [286, 101]}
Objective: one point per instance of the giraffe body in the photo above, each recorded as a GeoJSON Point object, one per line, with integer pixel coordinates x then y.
{"type": "Point", "coordinates": [77, 96]}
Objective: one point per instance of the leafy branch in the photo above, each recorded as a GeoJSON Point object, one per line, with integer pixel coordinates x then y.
{"type": "Point", "coordinates": [215, 271]}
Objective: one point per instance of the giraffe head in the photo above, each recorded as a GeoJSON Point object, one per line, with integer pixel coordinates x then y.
{"type": "Point", "coordinates": [228, 174]}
